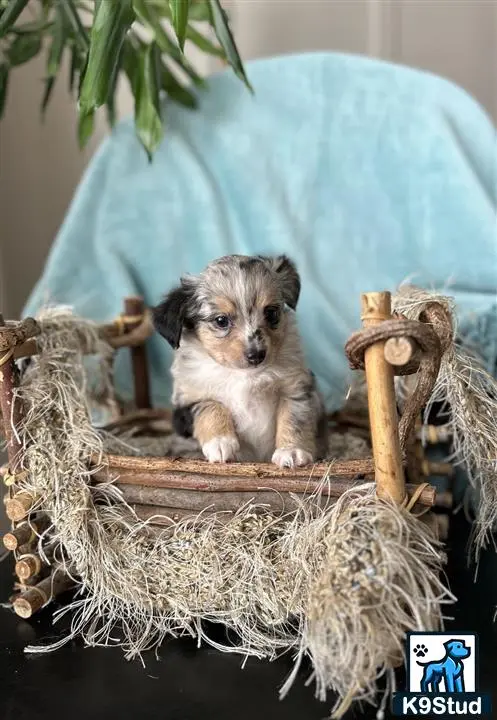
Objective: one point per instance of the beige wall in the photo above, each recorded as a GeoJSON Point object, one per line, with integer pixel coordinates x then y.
{"type": "Point", "coordinates": [40, 164]}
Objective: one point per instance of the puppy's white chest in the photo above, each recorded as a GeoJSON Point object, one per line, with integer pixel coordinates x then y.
{"type": "Point", "coordinates": [253, 404]}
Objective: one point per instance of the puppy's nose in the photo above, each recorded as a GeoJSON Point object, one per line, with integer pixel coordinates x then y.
{"type": "Point", "coordinates": [255, 356]}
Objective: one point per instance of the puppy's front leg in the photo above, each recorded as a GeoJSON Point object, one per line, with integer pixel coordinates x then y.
{"type": "Point", "coordinates": [295, 433]}
{"type": "Point", "coordinates": [213, 428]}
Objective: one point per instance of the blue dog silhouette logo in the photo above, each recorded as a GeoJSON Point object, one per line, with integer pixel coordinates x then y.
{"type": "Point", "coordinates": [446, 674]}
{"type": "Point", "coordinates": [442, 677]}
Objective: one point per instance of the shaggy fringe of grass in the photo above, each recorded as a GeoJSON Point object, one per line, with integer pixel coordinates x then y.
{"type": "Point", "coordinates": [340, 584]}
{"type": "Point", "coordinates": [468, 394]}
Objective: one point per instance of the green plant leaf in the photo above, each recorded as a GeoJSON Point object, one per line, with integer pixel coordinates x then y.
{"type": "Point", "coordinates": [111, 100]}
{"type": "Point", "coordinates": [130, 63]}
{"type": "Point", "coordinates": [24, 48]}
{"type": "Point", "coordinates": [73, 68]}
{"type": "Point", "coordinates": [162, 7]}
{"type": "Point", "coordinates": [10, 15]}
{"type": "Point", "coordinates": [111, 111]}
{"type": "Point", "coordinates": [59, 38]}
{"type": "Point", "coordinates": [148, 15]}
{"type": "Point", "coordinates": [199, 10]}
{"type": "Point", "coordinates": [175, 90]}
{"type": "Point", "coordinates": [85, 127]}
{"type": "Point", "coordinates": [204, 43]}
{"type": "Point", "coordinates": [179, 18]}
{"type": "Point", "coordinates": [4, 84]}
{"type": "Point", "coordinates": [221, 27]}
{"type": "Point", "coordinates": [73, 20]}
{"type": "Point", "coordinates": [110, 25]}
{"type": "Point", "coordinates": [148, 120]}
{"type": "Point", "coordinates": [49, 86]}
{"type": "Point", "coordinates": [30, 27]}
{"type": "Point", "coordinates": [57, 46]}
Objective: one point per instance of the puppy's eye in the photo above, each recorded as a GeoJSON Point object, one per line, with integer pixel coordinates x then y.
{"type": "Point", "coordinates": [272, 315]}
{"type": "Point", "coordinates": [222, 322]}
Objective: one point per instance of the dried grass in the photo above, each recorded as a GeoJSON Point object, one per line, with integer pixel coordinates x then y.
{"type": "Point", "coordinates": [468, 397]}
{"type": "Point", "coordinates": [340, 584]}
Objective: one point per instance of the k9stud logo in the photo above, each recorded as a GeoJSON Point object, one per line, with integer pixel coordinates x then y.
{"type": "Point", "coordinates": [442, 677]}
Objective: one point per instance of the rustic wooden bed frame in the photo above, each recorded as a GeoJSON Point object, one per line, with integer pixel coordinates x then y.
{"type": "Point", "coordinates": [174, 488]}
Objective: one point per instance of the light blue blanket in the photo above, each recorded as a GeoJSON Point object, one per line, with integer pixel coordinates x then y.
{"type": "Point", "coordinates": [365, 173]}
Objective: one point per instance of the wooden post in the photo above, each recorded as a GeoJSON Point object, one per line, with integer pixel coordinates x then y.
{"type": "Point", "coordinates": [135, 306]}
{"type": "Point", "coordinates": [444, 500]}
{"type": "Point", "coordinates": [28, 566]}
{"type": "Point", "coordinates": [19, 505]}
{"type": "Point", "coordinates": [39, 595]}
{"type": "Point", "coordinates": [399, 350]}
{"type": "Point", "coordinates": [23, 534]}
{"type": "Point", "coordinates": [389, 474]}
{"type": "Point", "coordinates": [10, 411]}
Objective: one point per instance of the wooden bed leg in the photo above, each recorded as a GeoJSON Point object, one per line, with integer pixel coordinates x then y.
{"type": "Point", "coordinates": [134, 306]}
{"type": "Point", "coordinates": [34, 598]}
{"type": "Point", "coordinates": [389, 474]}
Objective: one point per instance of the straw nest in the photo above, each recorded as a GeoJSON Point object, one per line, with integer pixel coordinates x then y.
{"type": "Point", "coordinates": [340, 583]}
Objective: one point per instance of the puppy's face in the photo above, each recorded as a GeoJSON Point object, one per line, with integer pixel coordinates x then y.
{"type": "Point", "coordinates": [236, 308]}
{"type": "Point", "coordinates": [242, 313]}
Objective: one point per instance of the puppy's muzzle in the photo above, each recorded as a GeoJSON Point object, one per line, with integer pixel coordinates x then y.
{"type": "Point", "coordinates": [255, 356]}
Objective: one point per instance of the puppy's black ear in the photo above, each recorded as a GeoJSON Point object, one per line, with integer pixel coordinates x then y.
{"type": "Point", "coordinates": [170, 316]}
{"type": "Point", "coordinates": [289, 278]}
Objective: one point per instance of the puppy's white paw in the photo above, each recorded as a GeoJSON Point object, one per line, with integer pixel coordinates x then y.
{"type": "Point", "coordinates": [291, 457]}
{"type": "Point", "coordinates": [221, 449]}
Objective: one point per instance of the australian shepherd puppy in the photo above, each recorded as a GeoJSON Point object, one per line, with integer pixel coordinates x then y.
{"type": "Point", "coordinates": [241, 387]}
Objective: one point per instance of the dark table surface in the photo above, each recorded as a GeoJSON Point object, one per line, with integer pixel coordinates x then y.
{"type": "Point", "coordinates": [186, 683]}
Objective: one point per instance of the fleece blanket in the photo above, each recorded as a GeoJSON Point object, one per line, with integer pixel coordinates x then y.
{"type": "Point", "coordinates": [366, 173]}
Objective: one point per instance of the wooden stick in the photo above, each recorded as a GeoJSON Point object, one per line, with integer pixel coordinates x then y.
{"type": "Point", "coordinates": [444, 500]}
{"type": "Point", "coordinates": [135, 335]}
{"type": "Point", "coordinates": [36, 597]}
{"type": "Point", "coordinates": [399, 350]}
{"type": "Point", "coordinates": [438, 523]}
{"type": "Point", "coordinates": [216, 501]}
{"type": "Point", "coordinates": [437, 468]}
{"type": "Point", "coordinates": [23, 586]}
{"type": "Point", "coordinates": [353, 420]}
{"type": "Point", "coordinates": [28, 566]}
{"type": "Point", "coordinates": [10, 410]}
{"type": "Point", "coordinates": [145, 416]}
{"type": "Point", "coordinates": [335, 486]}
{"type": "Point", "coordinates": [23, 534]}
{"type": "Point", "coordinates": [161, 516]}
{"type": "Point", "coordinates": [26, 532]}
{"type": "Point", "coordinates": [24, 550]}
{"type": "Point", "coordinates": [347, 468]}
{"type": "Point", "coordinates": [434, 434]}
{"type": "Point", "coordinates": [136, 306]}
{"type": "Point", "coordinates": [443, 525]}
{"type": "Point", "coordinates": [14, 333]}
{"type": "Point", "coordinates": [26, 349]}
{"type": "Point", "coordinates": [137, 330]}
{"type": "Point", "coordinates": [19, 506]}
{"type": "Point", "coordinates": [389, 474]}
{"type": "Point", "coordinates": [278, 500]}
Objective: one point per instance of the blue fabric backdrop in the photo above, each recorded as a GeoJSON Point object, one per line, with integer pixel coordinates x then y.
{"type": "Point", "coordinates": [364, 172]}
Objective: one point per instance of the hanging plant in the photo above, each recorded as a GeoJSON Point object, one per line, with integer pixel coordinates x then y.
{"type": "Point", "coordinates": [142, 39]}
